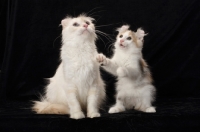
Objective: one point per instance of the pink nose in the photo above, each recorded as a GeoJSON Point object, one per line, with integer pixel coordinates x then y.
{"type": "Point", "coordinates": [85, 25]}
{"type": "Point", "coordinates": [121, 41]}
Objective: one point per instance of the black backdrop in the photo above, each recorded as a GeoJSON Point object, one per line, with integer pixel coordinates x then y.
{"type": "Point", "coordinates": [31, 41]}
{"type": "Point", "coordinates": [171, 47]}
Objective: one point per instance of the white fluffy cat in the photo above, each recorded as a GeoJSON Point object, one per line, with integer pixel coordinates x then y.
{"type": "Point", "coordinates": [77, 86]}
{"type": "Point", "coordinates": [134, 86]}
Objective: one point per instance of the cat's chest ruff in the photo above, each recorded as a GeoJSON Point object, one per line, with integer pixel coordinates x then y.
{"type": "Point", "coordinates": [126, 60]}
{"type": "Point", "coordinates": [83, 61]}
{"type": "Point", "coordinates": [79, 56]}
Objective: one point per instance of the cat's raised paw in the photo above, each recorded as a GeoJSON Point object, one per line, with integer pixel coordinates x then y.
{"type": "Point", "coordinates": [77, 115]}
{"type": "Point", "coordinates": [150, 110]}
{"type": "Point", "coordinates": [93, 114]}
{"type": "Point", "coordinates": [101, 59]}
{"type": "Point", "coordinates": [140, 34]}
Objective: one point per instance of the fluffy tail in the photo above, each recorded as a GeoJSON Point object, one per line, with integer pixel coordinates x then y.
{"type": "Point", "coordinates": [44, 107]}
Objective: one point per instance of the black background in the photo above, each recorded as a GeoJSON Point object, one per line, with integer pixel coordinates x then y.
{"type": "Point", "coordinates": [30, 42]}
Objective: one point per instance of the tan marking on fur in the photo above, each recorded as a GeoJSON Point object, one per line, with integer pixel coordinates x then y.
{"type": "Point", "coordinates": [121, 33]}
{"type": "Point", "coordinates": [132, 34]}
{"type": "Point", "coordinates": [92, 92]}
{"type": "Point", "coordinates": [143, 62]}
{"type": "Point", "coordinates": [48, 108]}
{"type": "Point", "coordinates": [147, 73]}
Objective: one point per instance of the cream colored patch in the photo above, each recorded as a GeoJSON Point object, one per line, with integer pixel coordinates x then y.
{"type": "Point", "coordinates": [48, 108]}
{"type": "Point", "coordinates": [146, 70]}
{"type": "Point", "coordinates": [134, 38]}
{"type": "Point", "coordinates": [143, 62]}
{"type": "Point", "coordinates": [72, 91]}
{"type": "Point", "coordinates": [92, 92]}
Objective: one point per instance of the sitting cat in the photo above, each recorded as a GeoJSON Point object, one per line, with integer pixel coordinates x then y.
{"type": "Point", "coordinates": [77, 86]}
{"type": "Point", "coordinates": [134, 86]}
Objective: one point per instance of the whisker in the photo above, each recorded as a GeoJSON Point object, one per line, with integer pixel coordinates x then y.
{"type": "Point", "coordinates": [102, 40]}
{"type": "Point", "coordinates": [104, 25]}
{"type": "Point", "coordinates": [104, 34]}
{"type": "Point", "coordinates": [110, 48]}
{"type": "Point", "coordinates": [97, 19]}
{"type": "Point", "coordinates": [95, 16]}
{"type": "Point", "coordinates": [56, 39]}
{"type": "Point", "coordinates": [107, 25]}
{"type": "Point", "coordinates": [105, 44]}
{"type": "Point", "coordinates": [96, 12]}
{"type": "Point", "coordinates": [93, 9]}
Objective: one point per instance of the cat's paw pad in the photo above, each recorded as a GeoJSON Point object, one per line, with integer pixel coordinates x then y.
{"type": "Point", "coordinates": [151, 110]}
{"type": "Point", "coordinates": [101, 59]}
{"type": "Point", "coordinates": [77, 115]}
{"type": "Point", "coordinates": [121, 72]}
{"type": "Point", "coordinates": [115, 110]}
{"type": "Point", "coordinates": [93, 114]}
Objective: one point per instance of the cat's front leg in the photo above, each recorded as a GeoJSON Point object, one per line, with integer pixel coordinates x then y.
{"type": "Point", "coordinates": [92, 103]}
{"type": "Point", "coordinates": [108, 64]}
{"type": "Point", "coordinates": [121, 72]}
{"type": "Point", "coordinates": [75, 108]}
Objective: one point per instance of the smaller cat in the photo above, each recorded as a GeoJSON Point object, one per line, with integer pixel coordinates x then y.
{"type": "Point", "coordinates": [134, 86]}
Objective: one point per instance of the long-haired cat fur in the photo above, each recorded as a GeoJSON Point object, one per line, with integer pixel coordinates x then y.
{"type": "Point", "coordinates": [134, 87]}
{"type": "Point", "coordinates": [77, 87]}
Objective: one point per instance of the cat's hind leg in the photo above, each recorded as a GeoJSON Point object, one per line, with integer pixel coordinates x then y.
{"type": "Point", "coordinates": [145, 106]}
{"type": "Point", "coordinates": [118, 107]}
{"type": "Point", "coordinates": [144, 102]}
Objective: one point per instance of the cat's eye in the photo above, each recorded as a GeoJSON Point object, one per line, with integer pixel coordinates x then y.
{"type": "Point", "coordinates": [76, 24]}
{"type": "Point", "coordinates": [129, 38]}
{"type": "Point", "coordinates": [121, 36]}
{"type": "Point", "coordinates": [88, 23]}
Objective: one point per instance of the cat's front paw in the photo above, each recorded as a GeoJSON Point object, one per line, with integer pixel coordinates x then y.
{"type": "Point", "coordinates": [101, 59]}
{"type": "Point", "coordinates": [116, 109]}
{"type": "Point", "coordinates": [121, 72]}
{"type": "Point", "coordinates": [93, 114]}
{"type": "Point", "coordinates": [77, 115]}
{"type": "Point", "coordinates": [151, 110]}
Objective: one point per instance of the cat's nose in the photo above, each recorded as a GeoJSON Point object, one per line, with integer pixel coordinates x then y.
{"type": "Point", "coordinates": [121, 41]}
{"type": "Point", "coordinates": [85, 25]}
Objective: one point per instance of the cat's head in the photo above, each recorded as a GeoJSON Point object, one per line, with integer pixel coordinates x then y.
{"type": "Point", "coordinates": [129, 40]}
{"type": "Point", "coordinates": [78, 27]}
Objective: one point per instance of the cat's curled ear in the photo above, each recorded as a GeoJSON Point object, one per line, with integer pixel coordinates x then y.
{"type": "Point", "coordinates": [123, 28]}
{"type": "Point", "coordinates": [65, 21]}
{"type": "Point", "coordinates": [140, 34]}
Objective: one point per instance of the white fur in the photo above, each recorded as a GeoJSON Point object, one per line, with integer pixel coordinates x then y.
{"type": "Point", "coordinates": [134, 89]}
{"type": "Point", "coordinates": [123, 28]}
{"type": "Point", "coordinates": [140, 34]}
{"type": "Point", "coordinates": [77, 86]}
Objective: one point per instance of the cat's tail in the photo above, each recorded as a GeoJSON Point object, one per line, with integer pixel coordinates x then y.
{"type": "Point", "coordinates": [44, 107]}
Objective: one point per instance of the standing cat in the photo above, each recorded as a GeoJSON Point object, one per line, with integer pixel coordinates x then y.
{"type": "Point", "coordinates": [134, 86]}
{"type": "Point", "coordinates": [77, 86]}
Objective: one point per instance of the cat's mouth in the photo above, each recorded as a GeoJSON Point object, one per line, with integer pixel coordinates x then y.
{"type": "Point", "coordinates": [85, 31]}
{"type": "Point", "coordinates": [121, 45]}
